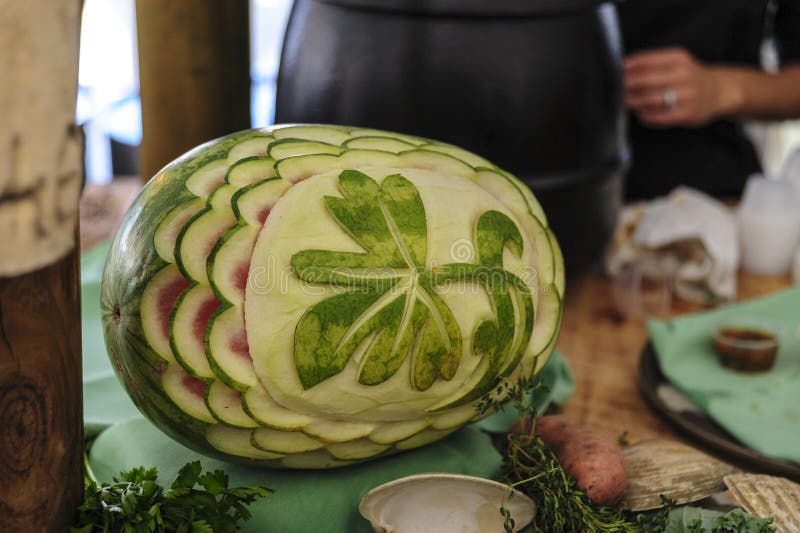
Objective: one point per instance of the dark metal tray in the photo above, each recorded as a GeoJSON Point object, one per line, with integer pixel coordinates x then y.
{"type": "Point", "coordinates": [665, 399]}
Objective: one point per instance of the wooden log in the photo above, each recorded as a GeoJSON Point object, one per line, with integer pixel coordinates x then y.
{"type": "Point", "coordinates": [194, 75]}
{"type": "Point", "coordinates": [41, 412]}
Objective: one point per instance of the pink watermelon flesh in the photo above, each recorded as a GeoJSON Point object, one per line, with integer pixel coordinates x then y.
{"type": "Point", "coordinates": [237, 341]}
{"type": "Point", "coordinates": [166, 301]}
{"type": "Point", "coordinates": [240, 274]}
{"type": "Point", "coordinates": [238, 344]}
{"type": "Point", "coordinates": [204, 313]}
{"type": "Point", "coordinates": [194, 385]}
{"type": "Point", "coordinates": [213, 238]}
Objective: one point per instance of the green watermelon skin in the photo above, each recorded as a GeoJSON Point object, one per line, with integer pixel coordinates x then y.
{"type": "Point", "coordinates": [131, 264]}
{"type": "Point", "coordinates": [134, 262]}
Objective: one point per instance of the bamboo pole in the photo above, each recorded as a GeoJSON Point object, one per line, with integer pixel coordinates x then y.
{"type": "Point", "coordinates": [41, 172]}
{"type": "Point", "coordinates": [194, 75]}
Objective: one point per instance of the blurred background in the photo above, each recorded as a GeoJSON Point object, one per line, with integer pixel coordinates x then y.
{"type": "Point", "coordinates": [109, 108]}
{"type": "Point", "coordinates": [108, 98]}
{"type": "Point", "coordinates": [546, 90]}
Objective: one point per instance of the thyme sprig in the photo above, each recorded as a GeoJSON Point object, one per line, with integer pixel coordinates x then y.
{"type": "Point", "coordinates": [531, 467]}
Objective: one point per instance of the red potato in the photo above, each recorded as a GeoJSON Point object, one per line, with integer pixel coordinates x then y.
{"type": "Point", "coordinates": [596, 463]}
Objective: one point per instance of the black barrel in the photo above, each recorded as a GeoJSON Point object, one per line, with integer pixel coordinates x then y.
{"type": "Point", "coordinates": [535, 86]}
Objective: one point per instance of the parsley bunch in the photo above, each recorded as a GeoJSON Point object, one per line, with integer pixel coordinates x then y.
{"type": "Point", "coordinates": [136, 503]}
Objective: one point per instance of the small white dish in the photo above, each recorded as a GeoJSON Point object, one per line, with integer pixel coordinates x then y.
{"type": "Point", "coordinates": [436, 502]}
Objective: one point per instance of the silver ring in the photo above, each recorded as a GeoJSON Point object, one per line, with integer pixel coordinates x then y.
{"type": "Point", "coordinates": [670, 98]}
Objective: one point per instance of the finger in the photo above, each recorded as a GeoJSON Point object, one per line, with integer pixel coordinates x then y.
{"type": "Point", "coordinates": [657, 99]}
{"type": "Point", "coordinates": [654, 59]}
{"type": "Point", "coordinates": [652, 79]}
{"type": "Point", "coordinates": [640, 100]}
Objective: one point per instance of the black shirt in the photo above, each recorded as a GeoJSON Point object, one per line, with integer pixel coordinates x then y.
{"type": "Point", "coordinates": [716, 158]}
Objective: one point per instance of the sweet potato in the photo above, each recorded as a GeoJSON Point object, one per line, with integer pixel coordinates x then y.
{"type": "Point", "coordinates": [596, 464]}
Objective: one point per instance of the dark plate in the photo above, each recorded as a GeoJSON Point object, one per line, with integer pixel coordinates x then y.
{"type": "Point", "coordinates": [678, 411]}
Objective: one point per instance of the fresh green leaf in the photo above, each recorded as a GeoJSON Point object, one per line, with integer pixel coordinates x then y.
{"type": "Point", "coordinates": [135, 503]}
{"type": "Point", "coordinates": [187, 476]}
{"type": "Point", "coordinates": [696, 520]}
{"type": "Point", "coordinates": [201, 526]}
{"type": "Point", "coordinates": [695, 526]}
{"type": "Point", "coordinates": [215, 482]}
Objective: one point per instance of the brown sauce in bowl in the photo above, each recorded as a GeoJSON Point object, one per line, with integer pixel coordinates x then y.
{"type": "Point", "coordinates": [746, 349]}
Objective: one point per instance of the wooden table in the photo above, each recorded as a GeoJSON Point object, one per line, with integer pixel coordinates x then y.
{"type": "Point", "coordinates": [603, 350]}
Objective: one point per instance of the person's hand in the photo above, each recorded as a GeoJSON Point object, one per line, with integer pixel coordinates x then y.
{"type": "Point", "coordinates": [669, 87]}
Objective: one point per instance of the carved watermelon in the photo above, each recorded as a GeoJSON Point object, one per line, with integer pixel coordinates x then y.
{"type": "Point", "coordinates": [312, 296]}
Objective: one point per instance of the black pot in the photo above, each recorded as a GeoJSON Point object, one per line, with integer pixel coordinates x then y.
{"type": "Point", "coordinates": [534, 86]}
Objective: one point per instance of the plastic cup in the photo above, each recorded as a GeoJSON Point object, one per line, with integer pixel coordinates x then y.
{"type": "Point", "coordinates": [769, 225]}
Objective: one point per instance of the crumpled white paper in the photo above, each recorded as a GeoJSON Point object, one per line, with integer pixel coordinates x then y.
{"type": "Point", "coordinates": [690, 234]}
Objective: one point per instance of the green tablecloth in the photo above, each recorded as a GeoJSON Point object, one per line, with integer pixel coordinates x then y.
{"type": "Point", "coordinates": [304, 501]}
{"type": "Point", "coordinates": [762, 410]}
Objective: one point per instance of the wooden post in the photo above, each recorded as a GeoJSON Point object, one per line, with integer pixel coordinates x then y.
{"type": "Point", "coordinates": [41, 171]}
{"type": "Point", "coordinates": [194, 75]}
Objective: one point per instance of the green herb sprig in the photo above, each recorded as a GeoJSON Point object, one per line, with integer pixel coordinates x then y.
{"type": "Point", "coordinates": [696, 520]}
{"type": "Point", "coordinates": [531, 467]}
{"type": "Point", "coordinates": [560, 506]}
{"type": "Point", "coordinates": [136, 503]}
